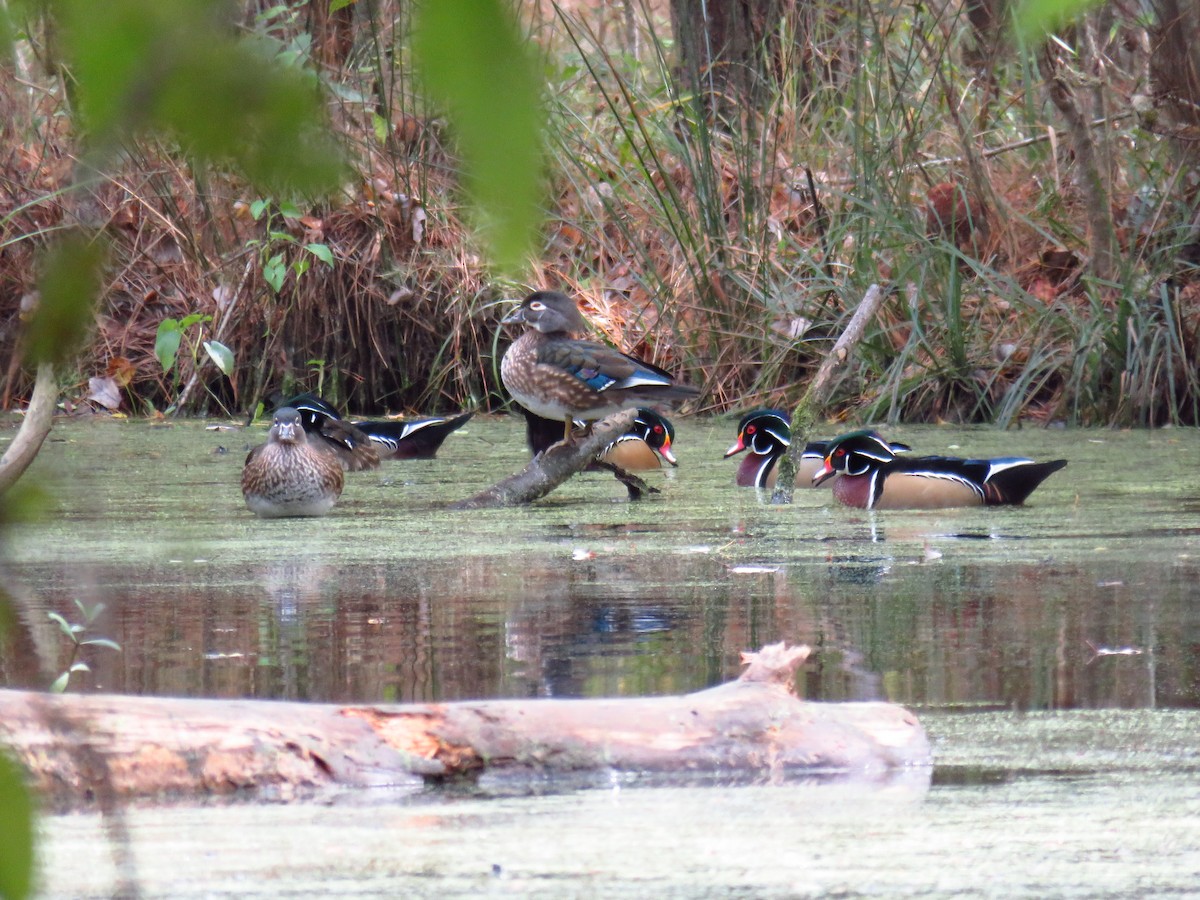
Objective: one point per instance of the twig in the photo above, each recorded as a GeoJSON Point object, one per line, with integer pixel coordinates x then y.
{"type": "Point", "coordinates": [984, 154]}
{"type": "Point", "coordinates": [814, 397]}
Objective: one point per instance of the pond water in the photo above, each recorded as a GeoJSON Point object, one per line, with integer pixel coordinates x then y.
{"type": "Point", "coordinates": [997, 626]}
{"type": "Point", "coordinates": [394, 597]}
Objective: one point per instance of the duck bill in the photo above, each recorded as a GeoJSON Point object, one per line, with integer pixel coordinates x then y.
{"type": "Point", "coordinates": [665, 452]}
{"type": "Point", "coordinates": [737, 447]}
{"type": "Point", "coordinates": [824, 474]}
{"type": "Point", "coordinates": [516, 317]}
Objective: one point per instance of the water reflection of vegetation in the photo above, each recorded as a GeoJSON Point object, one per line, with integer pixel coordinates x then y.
{"type": "Point", "coordinates": [395, 598]}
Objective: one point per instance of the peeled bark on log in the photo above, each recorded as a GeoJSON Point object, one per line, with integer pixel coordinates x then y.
{"type": "Point", "coordinates": [752, 729]}
{"type": "Point", "coordinates": [560, 461]}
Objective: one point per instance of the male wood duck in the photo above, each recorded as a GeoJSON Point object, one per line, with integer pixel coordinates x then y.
{"type": "Point", "coordinates": [873, 477]}
{"type": "Point", "coordinates": [767, 434]}
{"type": "Point", "coordinates": [292, 474]}
{"type": "Point", "coordinates": [645, 446]}
{"type": "Point", "coordinates": [555, 376]}
{"type": "Point", "coordinates": [362, 444]}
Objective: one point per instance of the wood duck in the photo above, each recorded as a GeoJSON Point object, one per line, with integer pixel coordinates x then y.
{"type": "Point", "coordinates": [556, 376]}
{"type": "Point", "coordinates": [873, 477]}
{"type": "Point", "coordinates": [767, 434]}
{"type": "Point", "coordinates": [292, 474]}
{"type": "Point", "coordinates": [645, 446]}
{"type": "Point", "coordinates": [361, 445]}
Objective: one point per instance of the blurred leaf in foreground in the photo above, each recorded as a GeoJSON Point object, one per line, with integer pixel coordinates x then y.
{"type": "Point", "coordinates": [71, 272]}
{"type": "Point", "coordinates": [1034, 19]}
{"type": "Point", "coordinates": [16, 832]}
{"type": "Point", "coordinates": [472, 58]}
{"type": "Point", "coordinates": [177, 66]}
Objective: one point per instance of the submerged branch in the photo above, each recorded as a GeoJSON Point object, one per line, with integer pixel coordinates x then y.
{"type": "Point", "coordinates": [560, 461]}
{"type": "Point", "coordinates": [814, 397]}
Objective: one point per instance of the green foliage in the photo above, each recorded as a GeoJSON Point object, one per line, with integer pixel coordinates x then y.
{"type": "Point", "coordinates": [1034, 19]}
{"type": "Point", "coordinates": [472, 58]}
{"type": "Point", "coordinates": [74, 632]}
{"type": "Point", "coordinates": [16, 833]}
{"type": "Point", "coordinates": [170, 335]}
{"type": "Point", "coordinates": [273, 250]}
{"type": "Point", "coordinates": [71, 273]}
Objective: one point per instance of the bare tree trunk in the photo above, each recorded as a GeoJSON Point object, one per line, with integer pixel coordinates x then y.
{"type": "Point", "coordinates": [1091, 179]}
{"type": "Point", "coordinates": [1175, 68]}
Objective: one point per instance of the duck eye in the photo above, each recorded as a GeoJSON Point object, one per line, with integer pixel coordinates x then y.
{"type": "Point", "coordinates": [658, 429]}
{"type": "Point", "coordinates": [750, 429]}
{"type": "Point", "coordinates": [537, 305]}
{"type": "Point", "coordinates": [839, 453]}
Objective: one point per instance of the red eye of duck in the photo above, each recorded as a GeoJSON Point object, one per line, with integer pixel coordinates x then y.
{"type": "Point", "coordinates": [658, 429]}
{"type": "Point", "coordinates": [750, 429]}
{"type": "Point", "coordinates": [839, 452]}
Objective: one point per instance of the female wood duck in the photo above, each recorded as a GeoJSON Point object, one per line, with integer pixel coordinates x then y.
{"type": "Point", "coordinates": [291, 474]}
{"type": "Point", "coordinates": [555, 376]}
{"type": "Point", "coordinates": [767, 434]}
{"type": "Point", "coordinates": [873, 477]}
{"type": "Point", "coordinates": [645, 446]}
{"type": "Point", "coordinates": [361, 445]}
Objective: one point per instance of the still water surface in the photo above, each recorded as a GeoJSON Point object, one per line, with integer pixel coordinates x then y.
{"type": "Point", "coordinates": [1060, 770]}
{"type": "Point", "coordinates": [393, 597]}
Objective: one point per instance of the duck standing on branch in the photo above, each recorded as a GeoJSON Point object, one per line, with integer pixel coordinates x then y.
{"type": "Point", "coordinates": [291, 474]}
{"type": "Point", "coordinates": [767, 434]}
{"type": "Point", "coordinates": [871, 476]}
{"type": "Point", "coordinates": [556, 376]}
{"type": "Point", "coordinates": [361, 445]}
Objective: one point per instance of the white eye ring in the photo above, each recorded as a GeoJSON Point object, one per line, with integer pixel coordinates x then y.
{"type": "Point", "coordinates": [537, 305]}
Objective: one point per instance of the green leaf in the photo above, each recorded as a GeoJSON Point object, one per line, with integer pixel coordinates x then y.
{"type": "Point", "coordinates": [274, 271]}
{"type": "Point", "coordinates": [335, 5]}
{"type": "Point", "coordinates": [221, 356]}
{"type": "Point", "coordinates": [321, 252]}
{"type": "Point", "coordinates": [471, 57]}
{"type": "Point", "coordinates": [90, 612]}
{"type": "Point", "coordinates": [1034, 19]}
{"type": "Point", "coordinates": [101, 642]}
{"type": "Point", "coordinates": [16, 832]}
{"type": "Point", "coordinates": [60, 683]}
{"type": "Point", "coordinates": [62, 623]}
{"type": "Point", "coordinates": [380, 126]}
{"type": "Point", "coordinates": [192, 318]}
{"type": "Point", "coordinates": [258, 207]}
{"type": "Point", "coordinates": [166, 343]}
{"type": "Point", "coordinates": [70, 284]}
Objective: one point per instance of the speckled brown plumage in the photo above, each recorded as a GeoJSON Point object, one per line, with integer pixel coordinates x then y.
{"type": "Point", "coordinates": [556, 376]}
{"type": "Point", "coordinates": [291, 475]}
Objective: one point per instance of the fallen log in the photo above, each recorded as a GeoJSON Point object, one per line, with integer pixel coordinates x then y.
{"type": "Point", "coordinates": [79, 747]}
